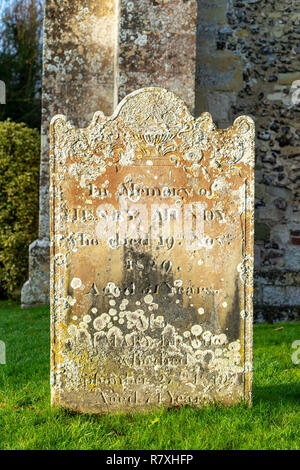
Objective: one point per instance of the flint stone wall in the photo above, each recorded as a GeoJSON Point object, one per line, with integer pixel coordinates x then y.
{"type": "Point", "coordinates": [248, 63]}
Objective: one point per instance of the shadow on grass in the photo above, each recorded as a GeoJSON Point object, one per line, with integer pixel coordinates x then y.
{"type": "Point", "coordinates": [279, 393]}
{"type": "Point", "coordinates": [9, 304]}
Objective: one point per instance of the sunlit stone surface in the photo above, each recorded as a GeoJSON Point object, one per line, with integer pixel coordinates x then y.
{"type": "Point", "coordinates": [152, 255]}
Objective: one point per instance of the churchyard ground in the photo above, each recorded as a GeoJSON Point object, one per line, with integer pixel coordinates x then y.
{"type": "Point", "coordinates": [28, 422]}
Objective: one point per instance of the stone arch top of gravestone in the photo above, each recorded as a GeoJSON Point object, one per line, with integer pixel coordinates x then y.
{"type": "Point", "coordinates": [151, 257]}
{"type": "Point", "coordinates": [157, 113]}
{"type": "Point", "coordinates": [147, 101]}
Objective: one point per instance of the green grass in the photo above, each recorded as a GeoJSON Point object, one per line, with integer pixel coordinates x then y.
{"type": "Point", "coordinates": [28, 422]}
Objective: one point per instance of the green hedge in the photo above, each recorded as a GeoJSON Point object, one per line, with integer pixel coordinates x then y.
{"type": "Point", "coordinates": [19, 202]}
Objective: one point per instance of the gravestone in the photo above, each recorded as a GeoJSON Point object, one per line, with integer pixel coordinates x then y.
{"type": "Point", "coordinates": [152, 255]}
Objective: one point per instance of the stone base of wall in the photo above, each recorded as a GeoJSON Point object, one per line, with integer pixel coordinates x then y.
{"type": "Point", "coordinates": [36, 290]}
{"type": "Point", "coordinates": [263, 314]}
{"type": "Point", "coordinates": [276, 295]}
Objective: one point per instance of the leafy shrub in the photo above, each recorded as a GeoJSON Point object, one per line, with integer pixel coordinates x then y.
{"type": "Point", "coordinates": [19, 201]}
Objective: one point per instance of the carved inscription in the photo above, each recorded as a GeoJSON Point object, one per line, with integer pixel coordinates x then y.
{"type": "Point", "coordinates": [152, 255]}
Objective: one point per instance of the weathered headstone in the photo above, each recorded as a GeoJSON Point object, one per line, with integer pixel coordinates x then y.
{"type": "Point", "coordinates": [152, 254]}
